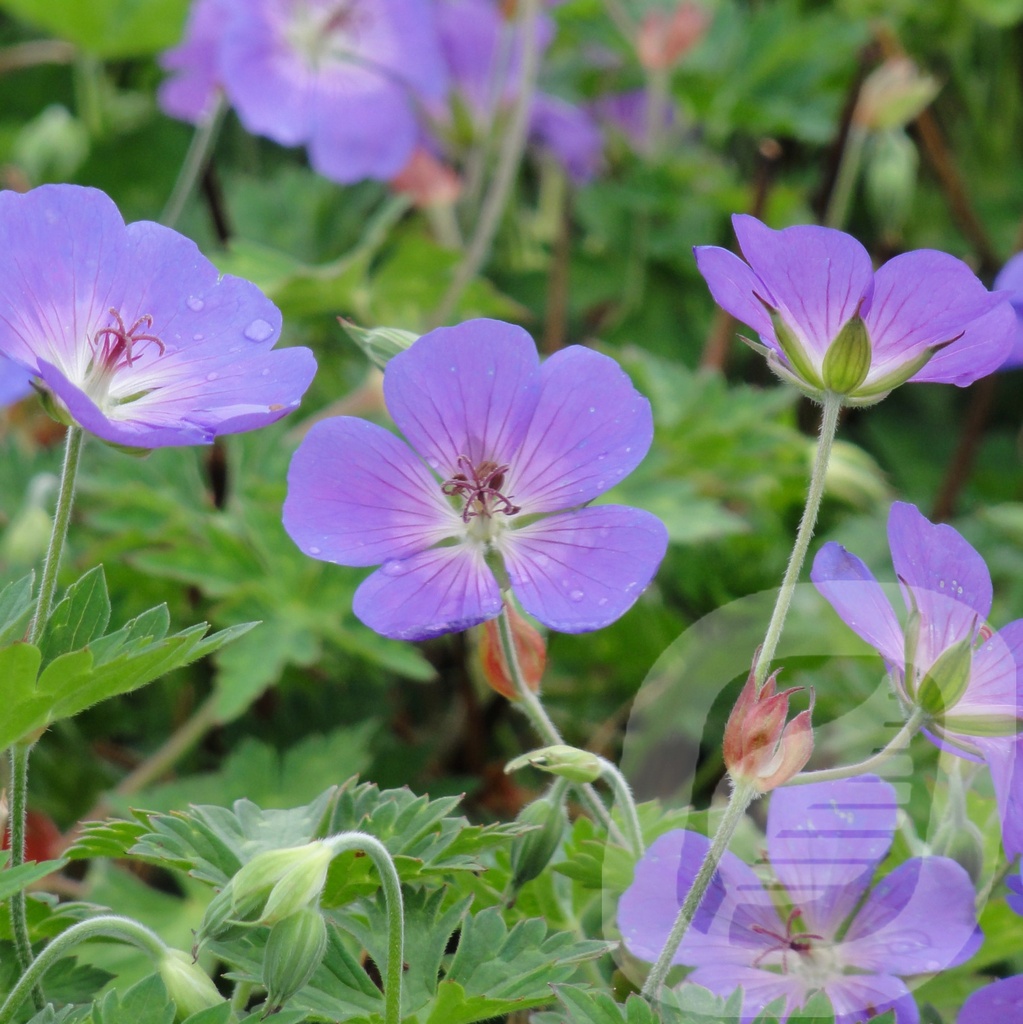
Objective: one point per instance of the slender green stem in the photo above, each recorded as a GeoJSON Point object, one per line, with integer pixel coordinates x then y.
{"type": "Point", "coordinates": [18, 819]}
{"type": "Point", "coordinates": [108, 926]}
{"type": "Point", "coordinates": [658, 98]}
{"type": "Point", "coordinates": [848, 171]}
{"type": "Point", "coordinates": [195, 162]}
{"type": "Point", "coordinates": [742, 796]}
{"type": "Point", "coordinates": [19, 753]}
{"type": "Point", "coordinates": [395, 914]}
{"type": "Point", "coordinates": [898, 743]}
{"type": "Point", "coordinates": [240, 995]}
{"type": "Point", "coordinates": [829, 425]}
{"type": "Point", "coordinates": [58, 535]}
{"type": "Point", "coordinates": [513, 145]}
{"type": "Point", "coordinates": [625, 800]}
{"type": "Point", "coordinates": [534, 710]}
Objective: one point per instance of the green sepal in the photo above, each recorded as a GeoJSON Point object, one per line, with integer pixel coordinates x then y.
{"type": "Point", "coordinates": [983, 725]}
{"type": "Point", "coordinates": [878, 389]}
{"type": "Point", "coordinates": [847, 361]}
{"type": "Point", "coordinates": [947, 679]}
{"type": "Point", "coordinates": [793, 349]}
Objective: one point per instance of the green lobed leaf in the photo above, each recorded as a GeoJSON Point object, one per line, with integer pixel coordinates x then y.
{"type": "Point", "coordinates": [15, 609]}
{"type": "Point", "coordinates": [79, 617]}
{"type": "Point", "coordinates": [15, 879]}
{"type": "Point", "coordinates": [146, 1001]}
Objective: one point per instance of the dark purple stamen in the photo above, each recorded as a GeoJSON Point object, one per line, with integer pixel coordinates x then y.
{"type": "Point", "coordinates": [112, 346]}
{"type": "Point", "coordinates": [481, 487]}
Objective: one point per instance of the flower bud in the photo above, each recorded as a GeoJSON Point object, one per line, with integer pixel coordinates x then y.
{"type": "Point", "coordinates": [529, 649]}
{"type": "Point", "coordinates": [890, 179]}
{"type": "Point", "coordinates": [893, 94]}
{"type": "Point", "coordinates": [294, 950]}
{"type": "Point", "coordinates": [427, 181]}
{"type": "Point", "coordinates": [532, 851]}
{"type": "Point", "coordinates": [946, 680]}
{"type": "Point", "coordinates": [379, 344]}
{"type": "Point", "coordinates": [221, 919]}
{"type": "Point", "coordinates": [188, 985]}
{"type": "Point", "coordinates": [569, 762]}
{"type": "Point", "coordinates": [759, 748]}
{"type": "Point", "coordinates": [665, 37]}
{"type": "Point", "coordinates": [280, 882]}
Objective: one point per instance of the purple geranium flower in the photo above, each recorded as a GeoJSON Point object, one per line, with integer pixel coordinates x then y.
{"type": "Point", "coordinates": [498, 443]}
{"type": "Point", "coordinates": [343, 77]}
{"type": "Point", "coordinates": [15, 382]}
{"type": "Point", "coordinates": [483, 50]}
{"type": "Point", "coordinates": [1010, 278]}
{"type": "Point", "coordinates": [132, 330]}
{"type": "Point", "coordinates": [945, 660]}
{"type": "Point", "coordinates": [818, 929]}
{"type": "Point", "coordinates": [190, 92]}
{"type": "Point", "coordinates": [828, 322]}
{"type": "Point", "coordinates": [998, 1003]}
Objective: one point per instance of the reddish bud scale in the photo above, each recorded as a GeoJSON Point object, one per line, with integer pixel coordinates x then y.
{"type": "Point", "coordinates": [759, 747]}
{"type": "Point", "coordinates": [665, 37]}
{"type": "Point", "coordinates": [529, 648]}
{"type": "Point", "coordinates": [43, 840]}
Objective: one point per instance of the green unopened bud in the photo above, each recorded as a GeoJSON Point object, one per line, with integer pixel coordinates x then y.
{"type": "Point", "coordinates": [222, 917]}
{"type": "Point", "coordinates": [946, 679]}
{"type": "Point", "coordinates": [890, 179]}
{"type": "Point", "coordinates": [280, 882]}
{"type": "Point", "coordinates": [380, 344]}
{"type": "Point", "coordinates": [532, 851]}
{"type": "Point", "coordinates": [568, 762]}
{"type": "Point", "coordinates": [294, 950]}
{"type": "Point", "coordinates": [847, 360]}
{"type": "Point", "coordinates": [188, 985]}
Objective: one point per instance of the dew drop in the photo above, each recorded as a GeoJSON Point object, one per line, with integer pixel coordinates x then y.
{"type": "Point", "coordinates": [628, 448]}
{"type": "Point", "coordinates": [593, 408]}
{"type": "Point", "coordinates": [433, 463]}
{"type": "Point", "coordinates": [194, 304]}
{"type": "Point", "coordinates": [941, 583]}
{"type": "Point", "coordinates": [960, 590]}
{"type": "Point", "coordinates": [258, 330]}
{"type": "Point", "coordinates": [198, 337]}
{"type": "Point", "coordinates": [212, 376]}
{"type": "Point", "coordinates": [542, 560]}
{"type": "Point", "coordinates": [602, 602]}
{"type": "Point", "coordinates": [392, 568]}
{"type": "Point", "coordinates": [314, 550]}
{"type": "Point", "coordinates": [265, 373]}
{"type": "Point", "coordinates": [577, 595]}
{"type": "Point", "coordinates": [602, 456]}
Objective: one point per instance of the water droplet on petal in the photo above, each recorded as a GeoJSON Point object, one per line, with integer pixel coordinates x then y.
{"type": "Point", "coordinates": [602, 456]}
{"type": "Point", "coordinates": [194, 304]}
{"type": "Point", "coordinates": [258, 330]}
{"type": "Point", "coordinates": [602, 602]}
{"type": "Point", "coordinates": [941, 583]}
{"type": "Point", "coordinates": [542, 560]}
{"type": "Point", "coordinates": [392, 568]}
{"type": "Point", "coordinates": [197, 337]}
{"type": "Point", "coordinates": [212, 376]}
{"type": "Point", "coordinates": [577, 595]}
{"type": "Point", "coordinates": [265, 372]}
{"type": "Point", "coordinates": [314, 550]}
{"type": "Point", "coordinates": [593, 408]}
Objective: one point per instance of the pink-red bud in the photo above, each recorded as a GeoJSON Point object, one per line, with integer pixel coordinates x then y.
{"type": "Point", "coordinates": [665, 37]}
{"type": "Point", "coordinates": [760, 748]}
{"type": "Point", "coordinates": [530, 651]}
{"type": "Point", "coordinates": [427, 181]}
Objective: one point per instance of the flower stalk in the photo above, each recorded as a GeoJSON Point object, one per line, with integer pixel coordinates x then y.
{"type": "Point", "coordinates": [19, 753]}
{"type": "Point", "coordinates": [107, 926]}
{"type": "Point", "coordinates": [534, 710]}
{"type": "Point", "coordinates": [744, 792]}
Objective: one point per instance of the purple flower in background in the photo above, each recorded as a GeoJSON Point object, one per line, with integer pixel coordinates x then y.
{"type": "Point", "coordinates": [505, 456]}
{"type": "Point", "coordinates": [132, 330]}
{"type": "Point", "coordinates": [945, 660]}
{"type": "Point", "coordinates": [15, 382]}
{"type": "Point", "coordinates": [626, 113]}
{"type": "Point", "coordinates": [828, 322]}
{"type": "Point", "coordinates": [818, 929]}
{"type": "Point", "coordinates": [343, 77]}
{"type": "Point", "coordinates": [1010, 278]}
{"type": "Point", "coordinates": [190, 92]}
{"type": "Point", "coordinates": [483, 51]}
{"type": "Point", "coordinates": [998, 1003]}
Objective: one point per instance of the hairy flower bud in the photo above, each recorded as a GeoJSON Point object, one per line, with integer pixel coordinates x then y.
{"type": "Point", "coordinates": [529, 649]}
{"type": "Point", "coordinates": [294, 950]}
{"type": "Point", "coordinates": [532, 851]}
{"type": "Point", "coordinates": [760, 748]}
{"type": "Point", "coordinates": [560, 759]}
{"type": "Point", "coordinates": [282, 881]}
{"type": "Point", "coordinates": [188, 985]}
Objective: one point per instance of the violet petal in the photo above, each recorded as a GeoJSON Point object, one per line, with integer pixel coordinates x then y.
{"type": "Point", "coordinates": [579, 571]}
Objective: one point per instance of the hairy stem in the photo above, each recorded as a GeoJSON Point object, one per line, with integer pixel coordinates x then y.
{"type": "Point", "coordinates": [742, 796]}
{"type": "Point", "coordinates": [395, 914]}
{"type": "Point", "coordinates": [195, 162]}
{"type": "Point", "coordinates": [829, 425]}
{"type": "Point", "coordinates": [898, 743]}
{"type": "Point", "coordinates": [108, 926]}
{"type": "Point", "coordinates": [513, 145]}
{"type": "Point", "coordinates": [612, 774]}
{"type": "Point", "coordinates": [530, 705]}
